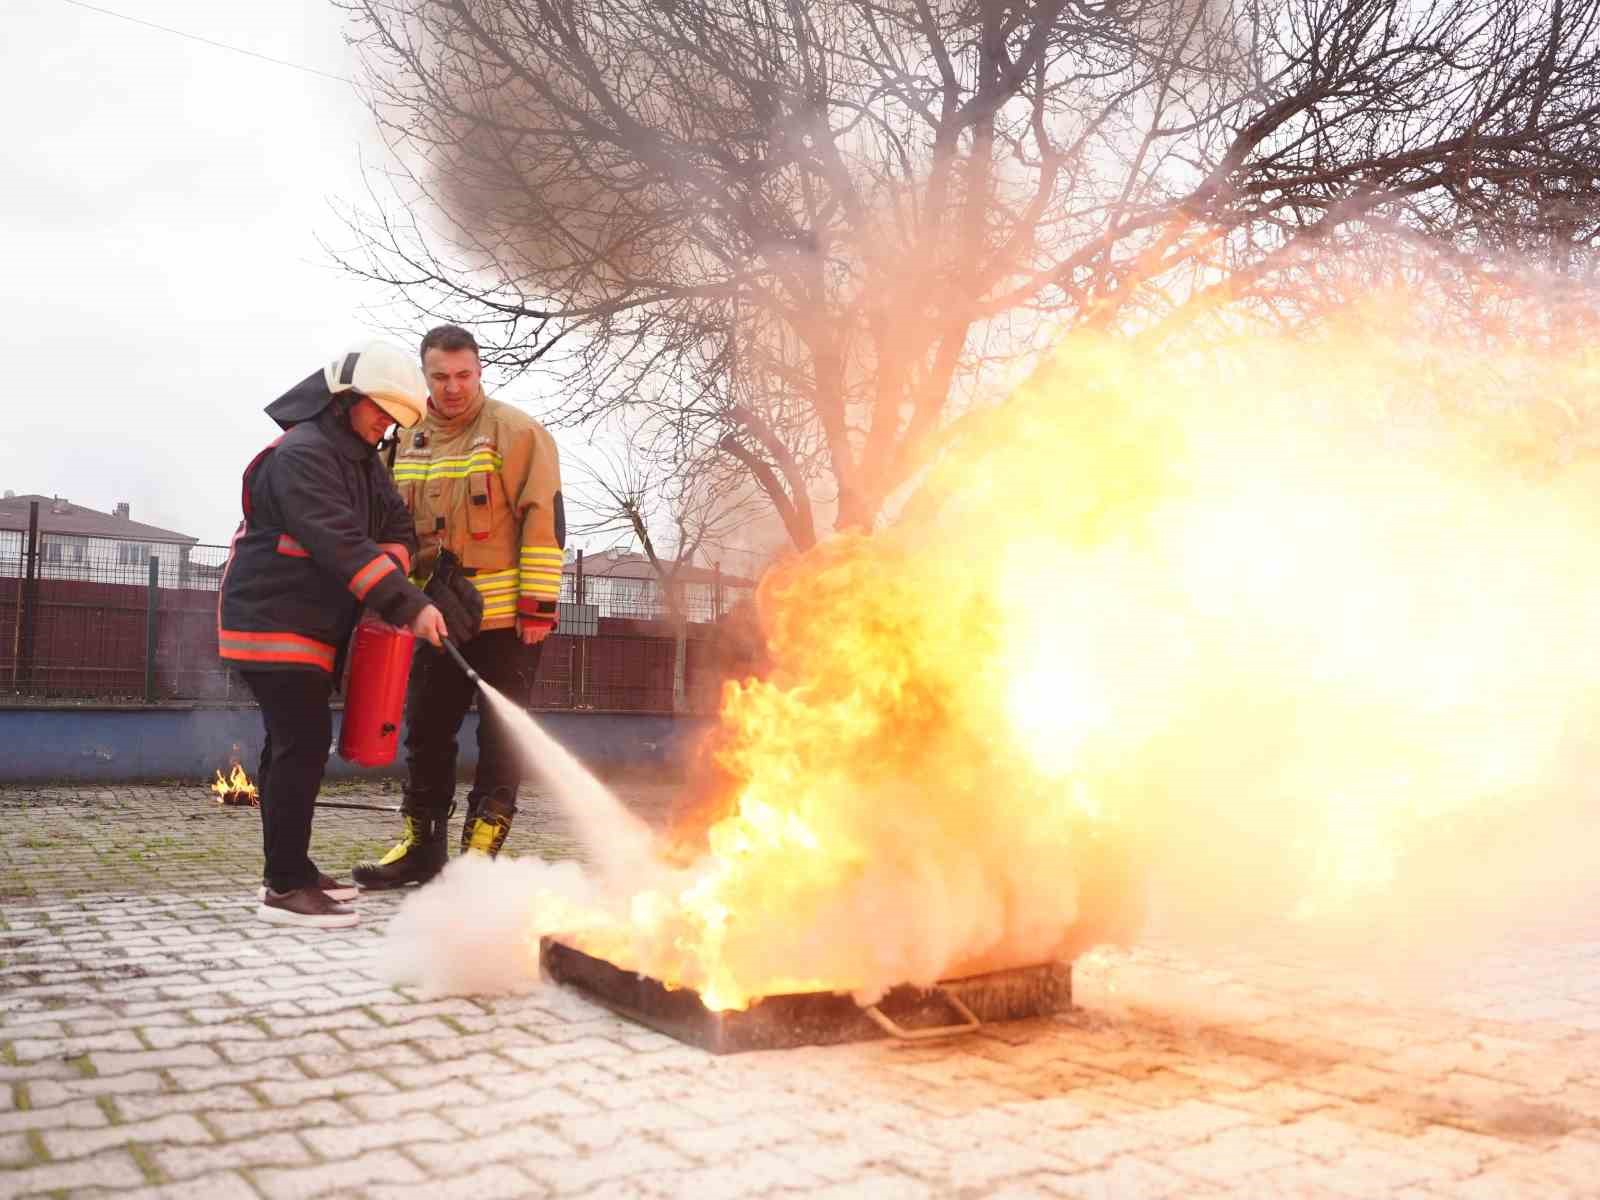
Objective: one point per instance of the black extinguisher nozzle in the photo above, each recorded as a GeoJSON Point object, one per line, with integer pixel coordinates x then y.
{"type": "Point", "coordinates": [460, 661]}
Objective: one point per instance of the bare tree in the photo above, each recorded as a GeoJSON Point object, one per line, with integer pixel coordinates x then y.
{"type": "Point", "coordinates": [673, 516]}
{"type": "Point", "coordinates": [800, 237]}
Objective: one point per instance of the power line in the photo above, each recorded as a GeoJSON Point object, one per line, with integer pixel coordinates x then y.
{"type": "Point", "coordinates": [208, 42]}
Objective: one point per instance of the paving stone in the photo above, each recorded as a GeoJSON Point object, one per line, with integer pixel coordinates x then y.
{"type": "Point", "coordinates": [519, 1144]}
{"type": "Point", "coordinates": [441, 1098]}
{"type": "Point", "coordinates": [583, 1175]}
{"type": "Point", "coordinates": [206, 1078]}
{"type": "Point", "coordinates": [221, 1035]}
{"type": "Point", "coordinates": [1187, 1122]}
{"type": "Point", "coordinates": [47, 1092]}
{"type": "Point", "coordinates": [732, 1180]}
{"type": "Point", "coordinates": [235, 1054]}
{"type": "Point", "coordinates": [243, 1053]}
{"type": "Point", "coordinates": [342, 1140]}
{"type": "Point", "coordinates": [244, 1121]}
{"type": "Point", "coordinates": [1125, 1178]}
{"type": "Point", "coordinates": [342, 1062]}
{"type": "Point", "coordinates": [223, 1185]}
{"type": "Point", "coordinates": [158, 1102]}
{"type": "Point", "coordinates": [477, 1120]}
{"type": "Point", "coordinates": [78, 1114]}
{"type": "Point", "coordinates": [349, 1176]}
{"type": "Point", "coordinates": [1231, 1157]}
{"type": "Point", "coordinates": [15, 1150]}
{"type": "Point", "coordinates": [473, 1066]}
{"type": "Point", "coordinates": [178, 1128]}
{"type": "Point", "coordinates": [107, 1063]}
{"type": "Point", "coordinates": [33, 1049]}
{"type": "Point", "coordinates": [272, 1149]}
{"type": "Point", "coordinates": [876, 1185]}
{"type": "Point", "coordinates": [298, 1091]}
{"type": "Point", "coordinates": [115, 1168]}
{"type": "Point", "coordinates": [368, 1035]}
{"type": "Point", "coordinates": [495, 1182]}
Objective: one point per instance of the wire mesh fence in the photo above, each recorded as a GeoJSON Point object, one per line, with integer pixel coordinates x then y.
{"type": "Point", "coordinates": [98, 620]}
{"type": "Point", "coordinates": [640, 598]}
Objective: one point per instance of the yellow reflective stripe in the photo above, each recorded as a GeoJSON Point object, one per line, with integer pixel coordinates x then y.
{"type": "Point", "coordinates": [458, 467]}
{"type": "Point", "coordinates": [499, 591]}
{"type": "Point", "coordinates": [552, 577]}
{"type": "Point", "coordinates": [542, 554]}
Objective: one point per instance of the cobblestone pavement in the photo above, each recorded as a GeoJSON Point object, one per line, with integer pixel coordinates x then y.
{"type": "Point", "coordinates": [157, 1040]}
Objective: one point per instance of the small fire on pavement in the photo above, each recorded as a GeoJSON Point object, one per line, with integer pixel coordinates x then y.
{"type": "Point", "coordinates": [235, 787]}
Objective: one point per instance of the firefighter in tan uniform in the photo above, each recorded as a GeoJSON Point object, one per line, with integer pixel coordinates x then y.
{"type": "Point", "coordinates": [483, 481]}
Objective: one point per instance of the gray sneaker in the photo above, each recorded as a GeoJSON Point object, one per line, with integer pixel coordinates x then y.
{"type": "Point", "coordinates": [307, 907]}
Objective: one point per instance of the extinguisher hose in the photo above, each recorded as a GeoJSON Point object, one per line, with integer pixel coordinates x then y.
{"type": "Point", "coordinates": [460, 661]}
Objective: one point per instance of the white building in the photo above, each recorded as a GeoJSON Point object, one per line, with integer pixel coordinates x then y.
{"type": "Point", "coordinates": [83, 543]}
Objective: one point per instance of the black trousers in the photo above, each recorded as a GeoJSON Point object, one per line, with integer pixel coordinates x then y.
{"type": "Point", "coordinates": [294, 709]}
{"type": "Point", "coordinates": [437, 700]}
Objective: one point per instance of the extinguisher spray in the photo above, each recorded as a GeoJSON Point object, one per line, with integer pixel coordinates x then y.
{"type": "Point", "coordinates": [375, 694]}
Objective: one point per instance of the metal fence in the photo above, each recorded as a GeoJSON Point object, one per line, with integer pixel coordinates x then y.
{"type": "Point", "coordinates": [705, 599]}
{"type": "Point", "coordinates": [82, 622]}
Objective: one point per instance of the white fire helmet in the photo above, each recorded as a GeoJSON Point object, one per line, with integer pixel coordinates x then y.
{"type": "Point", "coordinates": [387, 374]}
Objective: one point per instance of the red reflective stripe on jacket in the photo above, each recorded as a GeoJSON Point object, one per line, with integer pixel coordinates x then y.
{"type": "Point", "coordinates": [365, 579]}
{"type": "Point", "coordinates": [276, 646]}
{"type": "Point", "coordinates": [287, 545]}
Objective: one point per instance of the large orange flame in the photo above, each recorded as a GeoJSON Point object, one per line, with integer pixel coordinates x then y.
{"type": "Point", "coordinates": [1290, 629]}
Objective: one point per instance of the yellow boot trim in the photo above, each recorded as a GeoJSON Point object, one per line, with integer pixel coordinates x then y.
{"type": "Point", "coordinates": [407, 840]}
{"type": "Point", "coordinates": [482, 839]}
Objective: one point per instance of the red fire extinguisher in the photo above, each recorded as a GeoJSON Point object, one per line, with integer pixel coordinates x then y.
{"type": "Point", "coordinates": [375, 692]}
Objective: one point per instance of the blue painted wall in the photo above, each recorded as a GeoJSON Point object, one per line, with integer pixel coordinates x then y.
{"type": "Point", "coordinates": [188, 742]}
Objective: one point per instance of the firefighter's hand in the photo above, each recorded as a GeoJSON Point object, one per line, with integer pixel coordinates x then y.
{"type": "Point", "coordinates": [429, 624]}
{"type": "Point", "coordinates": [533, 632]}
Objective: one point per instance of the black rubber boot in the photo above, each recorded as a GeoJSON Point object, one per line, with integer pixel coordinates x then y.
{"type": "Point", "coordinates": [488, 822]}
{"type": "Point", "coordinates": [419, 855]}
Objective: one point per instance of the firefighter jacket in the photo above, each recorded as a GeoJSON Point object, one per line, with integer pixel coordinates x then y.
{"type": "Point", "coordinates": [305, 558]}
{"type": "Point", "coordinates": [486, 485]}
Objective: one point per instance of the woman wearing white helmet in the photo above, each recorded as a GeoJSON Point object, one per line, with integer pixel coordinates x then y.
{"type": "Point", "coordinates": [324, 533]}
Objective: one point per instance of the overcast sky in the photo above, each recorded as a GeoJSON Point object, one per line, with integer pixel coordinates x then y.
{"type": "Point", "coordinates": [163, 279]}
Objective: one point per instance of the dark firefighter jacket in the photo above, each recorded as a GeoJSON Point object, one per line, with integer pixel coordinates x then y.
{"type": "Point", "coordinates": [305, 558]}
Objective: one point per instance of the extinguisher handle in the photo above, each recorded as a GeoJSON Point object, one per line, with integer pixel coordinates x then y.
{"type": "Point", "coordinates": [462, 662]}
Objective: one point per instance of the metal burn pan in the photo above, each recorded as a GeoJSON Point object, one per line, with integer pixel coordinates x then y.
{"type": "Point", "coordinates": [812, 1018]}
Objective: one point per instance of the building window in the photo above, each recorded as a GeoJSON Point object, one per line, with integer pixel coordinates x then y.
{"type": "Point", "coordinates": [59, 549]}
{"type": "Point", "coordinates": [132, 554]}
